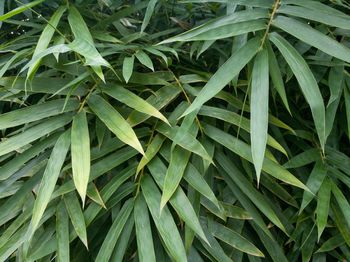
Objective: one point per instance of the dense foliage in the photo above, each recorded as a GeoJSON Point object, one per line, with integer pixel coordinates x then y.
{"type": "Point", "coordinates": [199, 130]}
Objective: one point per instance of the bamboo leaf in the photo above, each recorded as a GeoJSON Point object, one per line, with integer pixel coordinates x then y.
{"type": "Point", "coordinates": [45, 38]}
{"type": "Point", "coordinates": [62, 235]}
{"type": "Point", "coordinates": [243, 150]}
{"type": "Point", "coordinates": [49, 180]}
{"type": "Point", "coordinates": [163, 221]}
{"type": "Point", "coordinates": [130, 99]}
{"type": "Point", "coordinates": [259, 106]}
{"type": "Point", "coordinates": [128, 66]}
{"type": "Point", "coordinates": [306, 81]}
{"type": "Point", "coordinates": [148, 14]}
{"type": "Point", "coordinates": [144, 59]}
{"type": "Point", "coordinates": [225, 74]}
{"type": "Point", "coordinates": [177, 165]}
{"type": "Point", "coordinates": [76, 216]}
{"type": "Point", "coordinates": [145, 248]}
{"type": "Point", "coordinates": [36, 112]}
{"type": "Point", "coordinates": [114, 232]}
{"type": "Point", "coordinates": [324, 196]}
{"type": "Point", "coordinates": [20, 9]}
{"type": "Point", "coordinates": [234, 239]}
{"type": "Point", "coordinates": [80, 151]}
{"type": "Point", "coordinates": [114, 121]}
{"type": "Point", "coordinates": [313, 37]}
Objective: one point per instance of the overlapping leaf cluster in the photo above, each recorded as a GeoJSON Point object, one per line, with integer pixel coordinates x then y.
{"type": "Point", "coordinates": [211, 130]}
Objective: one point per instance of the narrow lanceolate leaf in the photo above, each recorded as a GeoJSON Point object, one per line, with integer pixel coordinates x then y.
{"type": "Point", "coordinates": [225, 21]}
{"type": "Point", "coordinates": [148, 14]}
{"type": "Point", "coordinates": [276, 76]}
{"type": "Point", "coordinates": [152, 150]}
{"type": "Point", "coordinates": [259, 110]}
{"type": "Point", "coordinates": [225, 74]}
{"type": "Point", "coordinates": [144, 59]}
{"type": "Point", "coordinates": [76, 216]}
{"type": "Point", "coordinates": [306, 81]}
{"type": "Point", "coordinates": [80, 151]}
{"type": "Point", "coordinates": [62, 233]}
{"type": "Point", "coordinates": [36, 112]}
{"type": "Point", "coordinates": [179, 200]}
{"type": "Point", "coordinates": [164, 221]}
{"type": "Point", "coordinates": [114, 121]}
{"type": "Point", "coordinates": [130, 99]}
{"type": "Point", "coordinates": [242, 149]}
{"type": "Point", "coordinates": [234, 239]}
{"type": "Point", "coordinates": [145, 248]}
{"type": "Point", "coordinates": [20, 9]}
{"type": "Point", "coordinates": [128, 66]}
{"type": "Point", "coordinates": [178, 162]}
{"type": "Point", "coordinates": [49, 180]}
{"type": "Point", "coordinates": [114, 232]}
{"type": "Point", "coordinates": [342, 202]}
{"type": "Point", "coordinates": [45, 38]}
{"type": "Point", "coordinates": [83, 42]}
{"type": "Point", "coordinates": [316, 15]}
{"type": "Point", "coordinates": [313, 37]}
{"type": "Point", "coordinates": [314, 182]}
{"type": "Point", "coordinates": [324, 196]}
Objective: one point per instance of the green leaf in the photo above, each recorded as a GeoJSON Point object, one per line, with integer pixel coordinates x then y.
{"type": "Point", "coordinates": [114, 232]}
{"type": "Point", "coordinates": [128, 66]}
{"type": "Point", "coordinates": [152, 150]}
{"type": "Point", "coordinates": [244, 151]}
{"type": "Point", "coordinates": [314, 182]}
{"type": "Point", "coordinates": [76, 216]}
{"type": "Point", "coordinates": [32, 134]}
{"type": "Point", "coordinates": [324, 196]}
{"type": "Point", "coordinates": [145, 248]}
{"type": "Point", "coordinates": [148, 14]}
{"type": "Point", "coordinates": [227, 26]}
{"type": "Point", "coordinates": [185, 140]}
{"type": "Point", "coordinates": [80, 151]}
{"type": "Point", "coordinates": [36, 112]}
{"type": "Point", "coordinates": [20, 9]}
{"type": "Point", "coordinates": [306, 81]}
{"type": "Point", "coordinates": [114, 121]}
{"type": "Point", "coordinates": [342, 202]}
{"type": "Point", "coordinates": [179, 200]}
{"type": "Point", "coordinates": [239, 121]}
{"type": "Point", "coordinates": [49, 180]}
{"type": "Point", "coordinates": [225, 74]}
{"type": "Point", "coordinates": [45, 38]}
{"type": "Point", "coordinates": [317, 14]}
{"type": "Point", "coordinates": [276, 76]}
{"type": "Point", "coordinates": [93, 193]}
{"type": "Point", "coordinates": [258, 199]}
{"type": "Point", "coordinates": [62, 233]}
{"type": "Point", "coordinates": [313, 37]}
{"type": "Point", "coordinates": [16, 163]}
{"type": "Point", "coordinates": [259, 109]}
{"type": "Point", "coordinates": [163, 221]}
{"type": "Point", "coordinates": [130, 99]}
{"type": "Point", "coordinates": [177, 165]}
{"type": "Point", "coordinates": [84, 44]}
{"type": "Point", "coordinates": [144, 59]}
{"type": "Point", "coordinates": [234, 239]}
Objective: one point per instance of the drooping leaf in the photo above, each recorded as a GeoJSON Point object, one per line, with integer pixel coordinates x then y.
{"type": "Point", "coordinates": [259, 105]}
{"type": "Point", "coordinates": [225, 73]}
{"type": "Point", "coordinates": [306, 81]}
{"type": "Point", "coordinates": [114, 121]}
{"type": "Point", "coordinates": [80, 151]}
{"type": "Point", "coordinates": [145, 248]}
{"type": "Point", "coordinates": [49, 179]}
